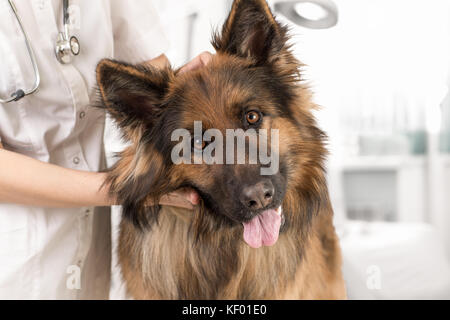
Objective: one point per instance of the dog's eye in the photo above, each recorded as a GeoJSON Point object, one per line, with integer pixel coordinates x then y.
{"type": "Point", "coordinates": [198, 143]}
{"type": "Point", "coordinates": [253, 117]}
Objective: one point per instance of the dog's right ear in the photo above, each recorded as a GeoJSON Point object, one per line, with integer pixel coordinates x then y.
{"type": "Point", "coordinates": [131, 94]}
{"type": "Point", "coordinates": [251, 31]}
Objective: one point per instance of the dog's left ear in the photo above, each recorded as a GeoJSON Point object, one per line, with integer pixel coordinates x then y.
{"type": "Point", "coordinates": [251, 31]}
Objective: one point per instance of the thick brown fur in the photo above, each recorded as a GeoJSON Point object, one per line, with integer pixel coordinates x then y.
{"type": "Point", "coordinates": [172, 253]}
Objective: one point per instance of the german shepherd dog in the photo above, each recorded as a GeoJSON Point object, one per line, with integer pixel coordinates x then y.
{"type": "Point", "coordinates": [212, 253]}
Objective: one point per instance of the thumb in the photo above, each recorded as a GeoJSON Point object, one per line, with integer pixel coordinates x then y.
{"type": "Point", "coordinates": [192, 196]}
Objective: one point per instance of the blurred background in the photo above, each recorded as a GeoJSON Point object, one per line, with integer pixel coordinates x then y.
{"type": "Point", "coordinates": [380, 71]}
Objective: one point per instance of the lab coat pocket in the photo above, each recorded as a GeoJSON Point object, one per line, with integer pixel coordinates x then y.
{"type": "Point", "coordinates": [16, 146]}
{"type": "Point", "coordinates": [14, 129]}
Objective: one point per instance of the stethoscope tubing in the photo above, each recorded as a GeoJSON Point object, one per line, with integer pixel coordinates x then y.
{"type": "Point", "coordinates": [61, 51]}
{"type": "Point", "coordinates": [20, 93]}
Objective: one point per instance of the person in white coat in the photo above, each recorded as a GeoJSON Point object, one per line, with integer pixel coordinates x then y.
{"type": "Point", "coordinates": [54, 215]}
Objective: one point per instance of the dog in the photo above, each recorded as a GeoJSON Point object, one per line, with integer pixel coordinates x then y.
{"type": "Point", "coordinates": [253, 236]}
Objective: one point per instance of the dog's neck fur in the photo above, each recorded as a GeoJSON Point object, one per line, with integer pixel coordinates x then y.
{"type": "Point", "coordinates": [219, 266]}
{"type": "Point", "coordinates": [176, 266]}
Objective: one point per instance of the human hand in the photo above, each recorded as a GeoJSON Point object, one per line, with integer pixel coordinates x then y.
{"type": "Point", "coordinates": [199, 61]}
{"type": "Point", "coordinates": [183, 198]}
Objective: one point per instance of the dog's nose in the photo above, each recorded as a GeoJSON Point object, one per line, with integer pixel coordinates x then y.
{"type": "Point", "coordinates": [257, 196]}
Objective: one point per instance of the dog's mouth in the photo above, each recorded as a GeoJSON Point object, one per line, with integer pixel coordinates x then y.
{"type": "Point", "coordinates": [264, 228]}
{"type": "Point", "coordinates": [260, 229]}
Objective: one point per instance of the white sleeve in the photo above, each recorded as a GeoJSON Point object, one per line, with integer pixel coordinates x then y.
{"type": "Point", "coordinates": [138, 35]}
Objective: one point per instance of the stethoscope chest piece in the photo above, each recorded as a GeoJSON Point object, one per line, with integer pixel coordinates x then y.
{"type": "Point", "coordinates": [65, 48]}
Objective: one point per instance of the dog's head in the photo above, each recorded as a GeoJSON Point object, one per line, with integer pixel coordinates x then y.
{"type": "Point", "coordinates": [252, 83]}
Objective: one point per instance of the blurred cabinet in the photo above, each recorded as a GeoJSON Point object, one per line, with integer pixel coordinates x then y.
{"type": "Point", "coordinates": [388, 188]}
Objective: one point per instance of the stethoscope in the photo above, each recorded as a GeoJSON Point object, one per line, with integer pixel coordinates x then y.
{"type": "Point", "coordinates": [66, 48]}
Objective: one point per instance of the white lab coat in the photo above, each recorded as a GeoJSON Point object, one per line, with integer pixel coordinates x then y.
{"type": "Point", "coordinates": [43, 250]}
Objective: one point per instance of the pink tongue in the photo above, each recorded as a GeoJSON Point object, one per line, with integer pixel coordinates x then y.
{"type": "Point", "coordinates": [262, 229]}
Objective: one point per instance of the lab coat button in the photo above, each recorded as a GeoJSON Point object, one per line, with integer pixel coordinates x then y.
{"type": "Point", "coordinates": [82, 114]}
{"type": "Point", "coordinates": [76, 160]}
